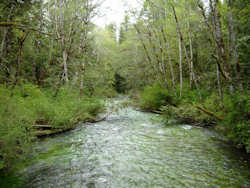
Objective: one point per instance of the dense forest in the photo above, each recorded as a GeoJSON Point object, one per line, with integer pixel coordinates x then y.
{"type": "Point", "coordinates": [186, 59]}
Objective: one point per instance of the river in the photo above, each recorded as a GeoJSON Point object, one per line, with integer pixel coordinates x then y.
{"type": "Point", "coordinates": [136, 149]}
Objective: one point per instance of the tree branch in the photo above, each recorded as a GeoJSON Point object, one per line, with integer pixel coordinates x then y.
{"type": "Point", "coordinates": [210, 113]}
{"type": "Point", "coordinates": [25, 27]}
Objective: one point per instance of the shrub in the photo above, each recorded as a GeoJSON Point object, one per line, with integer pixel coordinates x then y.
{"type": "Point", "coordinates": [237, 114]}
{"type": "Point", "coordinates": [185, 113]}
{"type": "Point", "coordinates": [15, 120]}
{"type": "Point", "coordinates": [235, 110]}
{"type": "Point", "coordinates": [28, 105]}
{"type": "Point", "coordinates": [190, 95]}
{"type": "Point", "coordinates": [153, 97]}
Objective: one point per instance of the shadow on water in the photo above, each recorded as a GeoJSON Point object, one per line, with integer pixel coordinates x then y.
{"type": "Point", "coordinates": [133, 149]}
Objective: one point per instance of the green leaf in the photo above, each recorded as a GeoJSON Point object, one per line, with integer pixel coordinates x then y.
{"type": "Point", "coordinates": [2, 165]}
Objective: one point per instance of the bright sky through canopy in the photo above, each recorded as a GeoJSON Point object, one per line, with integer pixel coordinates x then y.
{"type": "Point", "coordinates": [113, 11]}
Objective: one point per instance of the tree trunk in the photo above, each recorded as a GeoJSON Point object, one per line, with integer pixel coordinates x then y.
{"type": "Point", "coordinates": [180, 67]}
{"type": "Point", "coordinates": [5, 32]}
{"type": "Point", "coordinates": [214, 40]}
{"type": "Point", "coordinates": [191, 57]}
{"type": "Point", "coordinates": [82, 78]}
{"type": "Point", "coordinates": [146, 52]}
{"type": "Point", "coordinates": [155, 54]}
{"type": "Point", "coordinates": [34, 64]}
{"type": "Point", "coordinates": [169, 58]}
{"type": "Point", "coordinates": [19, 56]}
{"type": "Point", "coordinates": [75, 79]}
{"type": "Point", "coordinates": [221, 46]}
{"type": "Point", "coordinates": [232, 47]}
{"type": "Point", "coordinates": [181, 40]}
{"type": "Point", "coordinates": [219, 84]}
{"type": "Point", "coordinates": [219, 68]}
{"type": "Point", "coordinates": [65, 67]}
{"type": "Point", "coordinates": [192, 74]}
{"type": "Point", "coordinates": [19, 61]}
{"type": "Point", "coordinates": [171, 69]}
{"type": "Point", "coordinates": [162, 61]}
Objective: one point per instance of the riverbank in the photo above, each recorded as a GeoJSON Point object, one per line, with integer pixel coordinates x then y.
{"type": "Point", "coordinates": [27, 112]}
{"type": "Point", "coordinates": [229, 117]}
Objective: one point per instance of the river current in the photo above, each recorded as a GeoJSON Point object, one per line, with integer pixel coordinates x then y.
{"type": "Point", "coordinates": [136, 149]}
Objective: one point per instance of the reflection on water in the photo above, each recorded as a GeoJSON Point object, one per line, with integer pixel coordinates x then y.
{"type": "Point", "coordinates": [130, 150]}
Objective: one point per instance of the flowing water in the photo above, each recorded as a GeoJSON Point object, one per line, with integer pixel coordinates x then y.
{"type": "Point", "coordinates": [135, 149]}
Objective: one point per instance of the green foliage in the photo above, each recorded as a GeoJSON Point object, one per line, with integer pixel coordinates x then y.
{"type": "Point", "coordinates": [120, 83]}
{"type": "Point", "coordinates": [105, 92]}
{"type": "Point", "coordinates": [237, 125]}
{"type": "Point", "coordinates": [11, 180]}
{"type": "Point", "coordinates": [190, 95]}
{"type": "Point", "coordinates": [69, 108]}
{"type": "Point", "coordinates": [184, 113]}
{"type": "Point", "coordinates": [15, 118]}
{"type": "Point", "coordinates": [153, 97]}
{"type": "Point", "coordinates": [28, 106]}
{"type": "Point", "coordinates": [234, 109]}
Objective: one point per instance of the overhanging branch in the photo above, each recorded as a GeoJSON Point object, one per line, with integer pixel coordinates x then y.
{"type": "Point", "coordinates": [25, 27]}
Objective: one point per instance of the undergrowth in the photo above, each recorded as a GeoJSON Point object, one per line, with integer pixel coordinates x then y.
{"type": "Point", "coordinates": [234, 109]}
{"type": "Point", "coordinates": [28, 105]}
{"type": "Point", "coordinates": [153, 97]}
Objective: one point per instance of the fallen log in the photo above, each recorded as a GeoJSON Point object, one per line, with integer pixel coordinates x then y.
{"type": "Point", "coordinates": [92, 120]}
{"type": "Point", "coordinates": [157, 112]}
{"type": "Point", "coordinates": [42, 133]}
{"type": "Point", "coordinates": [151, 111]}
{"type": "Point", "coordinates": [209, 113]}
{"type": "Point", "coordinates": [48, 130]}
{"type": "Point", "coordinates": [42, 126]}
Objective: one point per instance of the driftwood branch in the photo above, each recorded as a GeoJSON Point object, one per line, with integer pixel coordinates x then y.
{"type": "Point", "coordinates": [42, 126]}
{"type": "Point", "coordinates": [25, 27]}
{"type": "Point", "coordinates": [157, 112]}
{"type": "Point", "coordinates": [210, 113]}
{"type": "Point", "coordinates": [43, 133]}
{"type": "Point", "coordinates": [92, 120]}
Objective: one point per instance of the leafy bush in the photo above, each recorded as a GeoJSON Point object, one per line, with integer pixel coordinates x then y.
{"type": "Point", "coordinates": [28, 105]}
{"type": "Point", "coordinates": [184, 113]}
{"type": "Point", "coordinates": [237, 114]}
{"type": "Point", "coordinates": [190, 95]}
{"type": "Point", "coordinates": [234, 109]}
{"type": "Point", "coordinates": [15, 119]}
{"type": "Point", "coordinates": [153, 97]}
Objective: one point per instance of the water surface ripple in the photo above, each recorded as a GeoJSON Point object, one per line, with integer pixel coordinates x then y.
{"type": "Point", "coordinates": [132, 149]}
